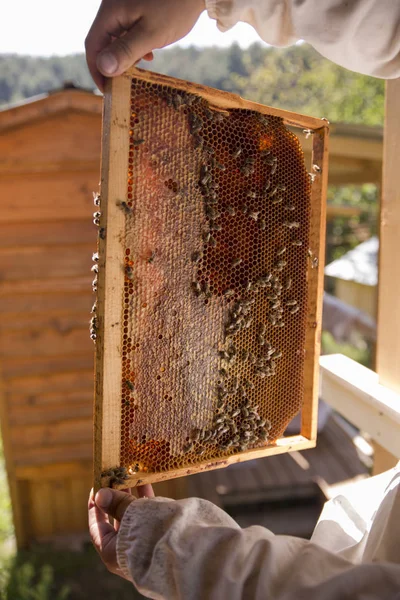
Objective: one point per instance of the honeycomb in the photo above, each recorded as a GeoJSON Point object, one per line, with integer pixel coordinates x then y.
{"type": "Point", "coordinates": [217, 220]}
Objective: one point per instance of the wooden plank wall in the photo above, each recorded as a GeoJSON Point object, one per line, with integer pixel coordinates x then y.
{"type": "Point", "coordinates": [50, 168]}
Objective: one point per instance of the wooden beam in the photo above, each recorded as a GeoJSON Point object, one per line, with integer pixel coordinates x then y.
{"type": "Point", "coordinates": [388, 344]}
{"type": "Point", "coordinates": [355, 392]}
{"type": "Point", "coordinates": [309, 413]}
{"type": "Point", "coordinates": [388, 347]}
{"type": "Point", "coordinates": [115, 150]}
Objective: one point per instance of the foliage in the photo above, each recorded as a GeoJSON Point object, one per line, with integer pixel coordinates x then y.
{"type": "Point", "coordinates": [43, 573]}
{"type": "Point", "coordinates": [345, 233]}
{"type": "Point", "coordinates": [361, 354]}
{"type": "Point", "coordinates": [294, 78]}
{"type": "Point", "coordinates": [26, 584]}
{"type": "Point", "coordinates": [298, 78]}
{"type": "Point", "coordinates": [6, 528]}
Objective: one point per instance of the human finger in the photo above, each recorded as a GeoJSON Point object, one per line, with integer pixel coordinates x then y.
{"type": "Point", "coordinates": [145, 491]}
{"type": "Point", "coordinates": [116, 522]}
{"type": "Point", "coordinates": [113, 502]}
{"type": "Point", "coordinates": [126, 50]}
{"type": "Point", "coordinates": [106, 26]}
{"type": "Point", "coordinates": [102, 533]}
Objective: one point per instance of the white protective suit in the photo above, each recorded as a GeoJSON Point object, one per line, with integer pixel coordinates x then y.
{"type": "Point", "coordinates": [192, 550]}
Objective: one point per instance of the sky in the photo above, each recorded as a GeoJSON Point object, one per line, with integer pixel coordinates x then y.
{"type": "Point", "coordinates": [46, 27]}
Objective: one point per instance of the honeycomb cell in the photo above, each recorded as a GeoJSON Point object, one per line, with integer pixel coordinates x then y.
{"type": "Point", "coordinates": [216, 292]}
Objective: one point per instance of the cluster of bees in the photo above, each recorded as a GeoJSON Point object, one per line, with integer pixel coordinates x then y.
{"type": "Point", "coordinates": [93, 324]}
{"type": "Point", "coordinates": [117, 476]}
{"type": "Point", "coordinates": [232, 428]}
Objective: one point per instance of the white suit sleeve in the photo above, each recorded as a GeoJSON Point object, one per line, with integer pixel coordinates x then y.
{"type": "Point", "coordinates": [361, 35]}
{"type": "Point", "coordinates": [191, 549]}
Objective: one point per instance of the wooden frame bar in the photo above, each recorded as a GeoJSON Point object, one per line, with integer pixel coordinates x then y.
{"type": "Point", "coordinates": [113, 187]}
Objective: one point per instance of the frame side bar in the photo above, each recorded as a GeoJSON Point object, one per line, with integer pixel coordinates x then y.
{"type": "Point", "coordinates": [114, 170]}
{"type": "Point", "coordinates": [309, 415]}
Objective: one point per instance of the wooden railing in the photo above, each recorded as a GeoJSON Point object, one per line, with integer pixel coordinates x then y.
{"type": "Point", "coordinates": [355, 392]}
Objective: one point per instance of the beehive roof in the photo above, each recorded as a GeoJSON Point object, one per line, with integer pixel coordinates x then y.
{"type": "Point", "coordinates": [359, 265]}
{"type": "Point", "coordinates": [68, 97]}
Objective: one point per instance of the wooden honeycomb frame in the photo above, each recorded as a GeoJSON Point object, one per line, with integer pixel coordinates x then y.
{"type": "Point", "coordinates": [110, 284]}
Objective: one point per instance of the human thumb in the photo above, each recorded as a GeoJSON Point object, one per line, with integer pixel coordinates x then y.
{"type": "Point", "coordinates": [125, 51]}
{"type": "Point", "coordinates": [113, 502]}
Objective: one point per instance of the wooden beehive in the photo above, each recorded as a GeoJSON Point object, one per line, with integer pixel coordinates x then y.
{"type": "Point", "coordinates": [50, 149]}
{"type": "Point", "coordinates": [207, 322]}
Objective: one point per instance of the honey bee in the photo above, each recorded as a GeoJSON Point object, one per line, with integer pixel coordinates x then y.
{"type": "Point", "coordinates": [205, 179]}
{"type": "Point", "coordinates": [267, 186]}
{"type": "Point", "coordinates": [236, 262]}
{"type": "Point", "coordinates": [308, 133]}
{"type": "Point", "coordinates": [129, 385]}
{"type": "Point", "coordinates": [195, 123]}
{"type": "Point", "coordinates": [294, 310]}
{"type": "Point", "coordinates": [288, 283]}
{"type": "Point", "coordinates": [129, 272]}
{"type": "Point", "coordinates": [254, 215]}
{"type": "Point", "coordinates": [137, 143]}
{"type": "Point", "coordinates": [262, 224]}
{"type": "Point", "coordinates": [212, 241]}
{"type": "Point", "coordinates": [231, 211]}
{"type": "Point", "coordinates": [95, 257]}
{"type": "Point", "coordinates": [102, 233]}
{"type": "Point", "coordinates": [291, 224]}
{"type": "Point", "coordinates": [215, 226]}
{"type": "Point", "coordinates": [198, 141]}
{"type": "Point", "coordinates": [296, 243]}
{"type": "Point", "coordinates": [196, 287]}
{"type": "Point", "coordinates": [316, 168]}
{"type": "Point", "coordinates": [228, 293]}
{"type": "Point", "coordinates": [96, 198]}
{"type": "Point", "coordinates": [124, 207]}
{"type": "Point", "coordinates": [237, 152]}
{"type": "Point", "coordinates": [177, 101]}
{"type": "Point", "coordinates": [291, 302]}
{"type": "Point", "coordinates": [151, 258]}
{"type": "Point", "coordinates": [289, 207]}
{"type": "Point", "coordinates": [196, 257]}
{"type": "Point", "coordinates": [263, 119]}
{"type": "Point", "coordinates": [251, 194]}
{"type": "Point", "coordinates": [281, 251]}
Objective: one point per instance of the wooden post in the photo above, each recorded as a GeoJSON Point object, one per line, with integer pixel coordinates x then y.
{"type": "Point", "coordinates": [388, 344]}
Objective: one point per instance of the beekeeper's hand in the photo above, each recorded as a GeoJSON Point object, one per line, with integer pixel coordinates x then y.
{"type": "Point", "coordinates": [111, 503]}
{"type": "Point", "coordinates": [124, 31]}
